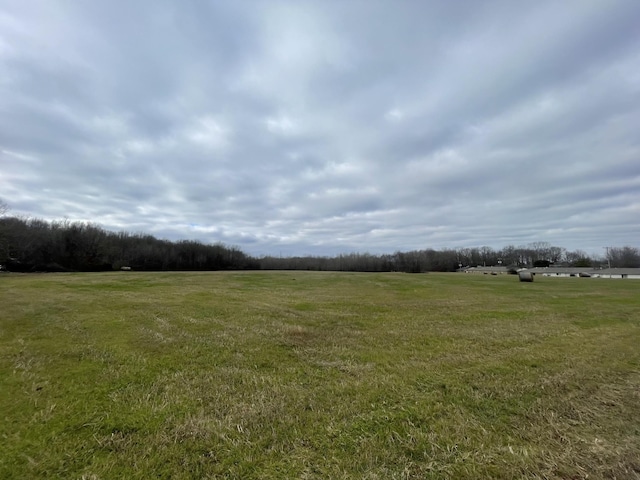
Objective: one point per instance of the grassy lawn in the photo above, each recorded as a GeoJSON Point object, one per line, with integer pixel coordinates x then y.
{"type": "Point", "coordinates": [318, 375]}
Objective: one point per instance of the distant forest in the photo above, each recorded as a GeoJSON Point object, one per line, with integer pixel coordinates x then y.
{"type": "Point", "coordinates": [33, 245]}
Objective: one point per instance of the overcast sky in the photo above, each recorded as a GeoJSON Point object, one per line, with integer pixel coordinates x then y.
{"type": "Point", "coordinates": [321, 127]}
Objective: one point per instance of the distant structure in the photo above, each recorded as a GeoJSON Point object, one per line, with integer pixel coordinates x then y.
{"type": "Point", "coordinates": [583, 272]}
{"type": "Point", "coordinates": [486, 270]}
{"type": "Point", "coordinates": [577, 272]}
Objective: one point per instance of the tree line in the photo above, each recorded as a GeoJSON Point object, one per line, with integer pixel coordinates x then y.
{"type": "Point", "coordinates": [28, 244]}
{"type": "Point", "coordinates": [536, 254]}
{"type": "Point", "coordinates": [38, 245]}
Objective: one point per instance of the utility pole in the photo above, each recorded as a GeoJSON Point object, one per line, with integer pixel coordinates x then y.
{"type": "Point", "coordinates": [608, 258]}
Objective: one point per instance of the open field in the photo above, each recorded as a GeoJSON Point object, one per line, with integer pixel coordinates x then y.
{"type": "Point", "coordinates": [318, 375]}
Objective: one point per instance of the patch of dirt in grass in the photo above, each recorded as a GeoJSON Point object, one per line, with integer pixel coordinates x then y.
{"type": "Point", "coordinates": [298, 336]}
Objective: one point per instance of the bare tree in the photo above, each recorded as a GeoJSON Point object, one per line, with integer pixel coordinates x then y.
{"type": "Point", "coordinates": [4, 208]}
{"type": "Point", "coordinates": [623, 257]}
{"type": "Point", "coordinates": [578, 258]}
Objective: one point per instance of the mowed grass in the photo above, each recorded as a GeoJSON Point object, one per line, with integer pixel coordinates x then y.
{"type": "Point", "coordinates": [318, 375]}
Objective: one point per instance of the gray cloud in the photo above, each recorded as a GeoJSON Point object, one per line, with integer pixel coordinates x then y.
{"type": "Point", "coordinates": [324, 127]}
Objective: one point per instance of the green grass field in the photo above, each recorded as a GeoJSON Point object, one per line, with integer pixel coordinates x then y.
{"type": "Point", "coordinates": [318, 375]}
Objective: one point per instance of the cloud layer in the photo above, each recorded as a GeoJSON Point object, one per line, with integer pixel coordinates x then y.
{"type": "Point", "coordinates": [319, 127]}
